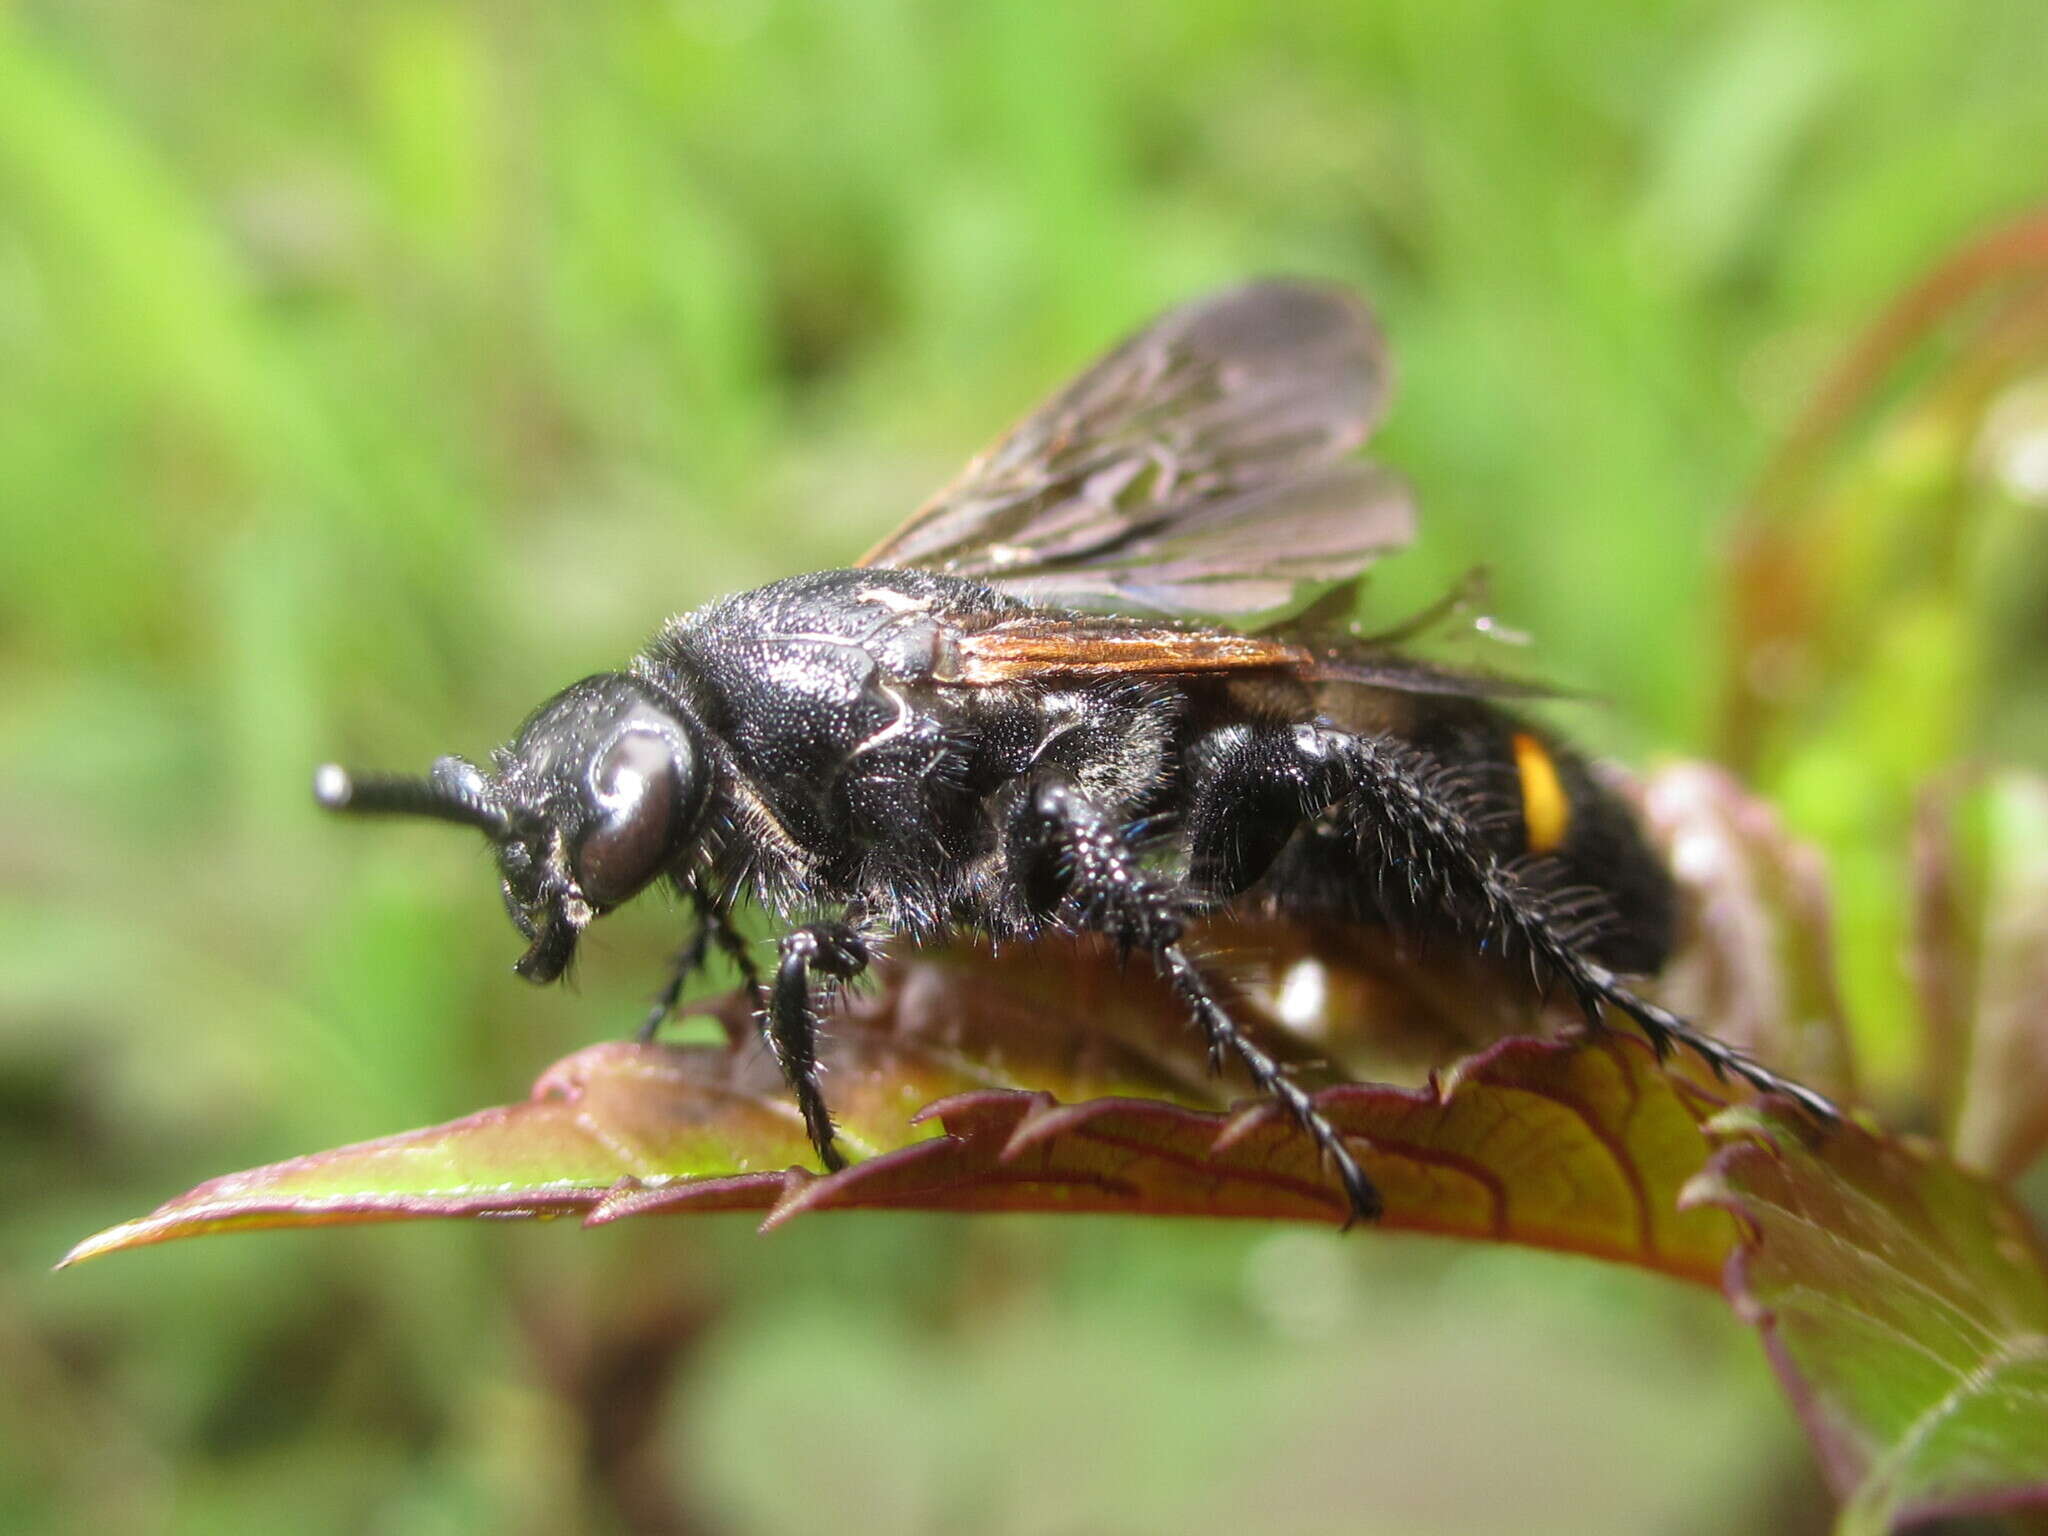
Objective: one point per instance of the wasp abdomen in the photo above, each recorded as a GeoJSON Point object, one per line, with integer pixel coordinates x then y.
{"type": "Point", "coordinates": [1543, 810]}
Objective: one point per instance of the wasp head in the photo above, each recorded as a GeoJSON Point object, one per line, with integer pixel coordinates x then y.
{"type": "Point", "coordinates": [599, 794]}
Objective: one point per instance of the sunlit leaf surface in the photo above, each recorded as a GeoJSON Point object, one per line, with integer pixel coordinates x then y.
{"type": "Point", "coordinates": [1045, 1079]}
{"type": "Point", "coordinates": [1905, 1305]}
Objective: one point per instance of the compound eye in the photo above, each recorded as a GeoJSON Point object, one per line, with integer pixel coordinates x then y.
{"type": "Point", "coordinates": [638, 792]}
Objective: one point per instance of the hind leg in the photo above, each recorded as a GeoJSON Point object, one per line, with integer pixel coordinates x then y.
{"type": "Point", "coordinates": [1408, 823]}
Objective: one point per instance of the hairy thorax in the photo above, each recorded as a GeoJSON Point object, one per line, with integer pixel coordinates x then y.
{"type": "Point", "coordinates": [850, 772]}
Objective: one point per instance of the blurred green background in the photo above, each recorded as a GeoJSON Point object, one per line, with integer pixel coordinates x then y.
{"type": "Point", "coordinates": [369, 372]}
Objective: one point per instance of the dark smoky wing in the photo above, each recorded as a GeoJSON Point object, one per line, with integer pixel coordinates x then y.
{"type": "Point", "coordinates": [1242, 556]}
{"type": "Point", "coordinates": [1201, 468]}
{"type": "Point", "coordinates": [1334, 652]}
{"type": "Point", "coordinates": [1402, 674]}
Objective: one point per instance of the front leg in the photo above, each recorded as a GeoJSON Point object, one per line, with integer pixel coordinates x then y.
{"type": "Point", "coordinates": [790, 1022]}
{"type": "Point", "coordinates": [686, 962]}
{"type": "Point", "coordinates": [1061, 841]}
{"type": "Point", "coordinates": [714, 926]}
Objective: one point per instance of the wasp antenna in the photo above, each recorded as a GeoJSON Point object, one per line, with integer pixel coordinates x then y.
{"type": "Point", "coordinates": [438, 798]}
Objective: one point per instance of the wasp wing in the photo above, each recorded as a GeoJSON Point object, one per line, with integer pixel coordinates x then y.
{"type": "Point", "coordinates": [1035, 646]}
{"type": "Point", "coordinates": [1200, 468]}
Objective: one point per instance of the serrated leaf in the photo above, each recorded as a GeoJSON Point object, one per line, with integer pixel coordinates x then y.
{"type": "Point", "coordinates": [1904, 1303]}
{"type": "Point", "coordinates": [1055, 1080]}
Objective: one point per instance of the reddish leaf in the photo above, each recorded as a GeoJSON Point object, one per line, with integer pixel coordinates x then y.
{"type": "Point", "coordinates": [1904, 1303]}
{"type": "Point", "coordinates": [1579, 1145]}
{"type": "Point", "coordinates": [1756, 962]}
{"type": "Point", "coordinates": [1981, 965]}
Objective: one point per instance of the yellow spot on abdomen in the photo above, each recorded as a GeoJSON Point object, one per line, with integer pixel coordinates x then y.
{"type": "Point", "coordinates": [1546, 808]}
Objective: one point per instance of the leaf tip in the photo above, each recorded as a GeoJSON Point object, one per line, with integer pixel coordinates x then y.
{"type": "Point", "coordinates": [127, 1234]}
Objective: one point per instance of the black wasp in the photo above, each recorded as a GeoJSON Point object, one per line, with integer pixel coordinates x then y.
{"type": "Point", "coordinates": [1021, 713]}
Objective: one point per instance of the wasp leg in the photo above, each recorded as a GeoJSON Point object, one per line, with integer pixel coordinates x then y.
{"type": "Point", "coordinates": [714, 925]}
{"type": "Point", "coordinates": [686, 963]}
{"type": "Point", "coordinates": [790, 1023]}
{"type": "Point", "coordinates": [1111, 895]}
{"type": "Point", "coordinates": [1388, 791]}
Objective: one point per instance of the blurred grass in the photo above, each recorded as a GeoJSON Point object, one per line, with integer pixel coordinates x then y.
{"type": "Point", "coordinates": [365, 377]}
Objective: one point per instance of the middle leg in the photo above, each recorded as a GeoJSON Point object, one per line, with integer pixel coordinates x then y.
{"type": "Point", "coordinates": [1094, 863]}
{"type": "Point", "coordinates": [790, 1021]}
